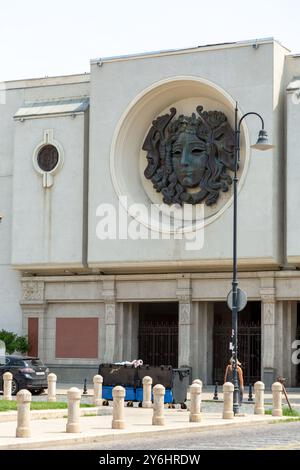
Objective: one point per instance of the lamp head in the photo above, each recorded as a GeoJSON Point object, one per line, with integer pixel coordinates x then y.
{"type": "Point", "coordinates": [262, 141]}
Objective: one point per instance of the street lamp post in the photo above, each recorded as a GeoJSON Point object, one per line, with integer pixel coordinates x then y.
{"type": "Point", "coordinates": [261, 144]}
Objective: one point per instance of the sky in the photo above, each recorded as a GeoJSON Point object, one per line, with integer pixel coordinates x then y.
{"type": "Point", "coordinates": [41, 38]}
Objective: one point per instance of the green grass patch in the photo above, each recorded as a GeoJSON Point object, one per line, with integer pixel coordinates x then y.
{"type": "Point", "coordinates": [287, 420]}
{"type": "Point", "coordinates": [285, 412]}
{"type": "Point", "coordinates": [7, 405]}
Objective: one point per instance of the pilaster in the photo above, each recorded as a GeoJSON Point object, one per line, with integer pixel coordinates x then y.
{"type": "Point", "coordinates": [109, 298]}
{"type": "Point", "coordinates": [268, 326]}
{"type": "Point", "coordinates": [184, 296]}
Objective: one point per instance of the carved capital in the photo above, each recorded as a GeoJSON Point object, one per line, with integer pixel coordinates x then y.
{"type": "Point", "coordinates": [109, 297]}
{"type": "Point", "coordinates": [108, 290]}
{"type": "Point", "coordinates": [32, 291]}
{"type": "Point", "coordinates": [268, 294]}
{"type": "Point", "coordinates": [184, 295]}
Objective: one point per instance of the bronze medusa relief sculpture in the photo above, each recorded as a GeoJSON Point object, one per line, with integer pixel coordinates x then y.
{"type": "Point", "coordinates": [190, 153]}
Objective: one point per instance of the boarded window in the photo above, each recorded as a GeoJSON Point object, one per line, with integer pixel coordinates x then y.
{"type": "Point", "coordinates": [33, 336]}
{"type": "Point", "coordinates": [77, 338]}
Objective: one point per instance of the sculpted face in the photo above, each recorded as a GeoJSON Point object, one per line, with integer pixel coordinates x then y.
{"type": "Point", "coordinates": [189, 158]}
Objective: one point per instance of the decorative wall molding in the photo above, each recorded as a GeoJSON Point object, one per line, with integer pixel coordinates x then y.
{"type": "Point", "coordinates": [32, 291]}
{"type": "Point", "coordinates": [268, 294]}
{"type": "Point", "coordinates": [184, 314]}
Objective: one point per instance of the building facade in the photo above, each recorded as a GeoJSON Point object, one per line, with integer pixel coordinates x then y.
{"type": "Point", "coordinates": [85, 158]}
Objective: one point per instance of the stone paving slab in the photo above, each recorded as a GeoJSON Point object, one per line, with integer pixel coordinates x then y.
{"type": "Point", "coordinates": [98, 428]}
{"type": "Point", "coordinates": [6, 416]}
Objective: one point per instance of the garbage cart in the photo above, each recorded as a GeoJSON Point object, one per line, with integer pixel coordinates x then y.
{"type": "Point", "coordinates": [118, 374]}
{"type": "Point", "coordinates": [182, 378]}
{"type": "Point", "coordinates": [162, 375]}
{"type": "Point", "coordinates": [175, 381]}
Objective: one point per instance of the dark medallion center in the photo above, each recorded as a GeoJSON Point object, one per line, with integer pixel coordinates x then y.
{"type": "Point", "coordinates": [188, 157]}
{"type": "Point", "coordinates": [47, 158]}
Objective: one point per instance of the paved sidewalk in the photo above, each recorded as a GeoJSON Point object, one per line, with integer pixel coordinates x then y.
{"type": "Point", "coordinates": [207, 393]}
{"type": "Point", "coordinates": [51, 432]}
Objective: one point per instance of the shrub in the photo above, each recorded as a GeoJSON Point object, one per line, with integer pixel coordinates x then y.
{"type": "Point", "coordinates": [13, 342]}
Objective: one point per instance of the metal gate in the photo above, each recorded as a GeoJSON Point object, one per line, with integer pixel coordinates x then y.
{"type": "Point", "coordinates": [158, 342]}
{"type": "Point", "coordinates": [249, 350]}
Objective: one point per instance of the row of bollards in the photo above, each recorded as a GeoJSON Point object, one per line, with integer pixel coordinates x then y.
{"type": "Point", "coordinates": [118, 421]}
{"type": "Point", "coordinates": [147, 403]}
{"type": "Point", "coordinates": [51, 396]}
{"type": "Point", "coordinates": [259, 408]}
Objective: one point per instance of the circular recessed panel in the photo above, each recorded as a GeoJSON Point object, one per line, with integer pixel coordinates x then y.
{"type": "Point", "coordinates": [129, 160]}
{"type": "Point", "coordinates": [47, 158]}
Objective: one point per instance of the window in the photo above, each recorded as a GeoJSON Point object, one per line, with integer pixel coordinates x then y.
{"type": "Point", "coordinates": [47, 158]}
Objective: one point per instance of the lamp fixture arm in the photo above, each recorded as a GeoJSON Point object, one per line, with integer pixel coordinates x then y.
{"type": "Point", "coordinates": [238, 133]}
{"type": "Point", "coordinates": [250, 114]}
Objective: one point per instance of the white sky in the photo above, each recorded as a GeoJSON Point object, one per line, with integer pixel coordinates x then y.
{"type": "Point", "coordinates": [57, 37]}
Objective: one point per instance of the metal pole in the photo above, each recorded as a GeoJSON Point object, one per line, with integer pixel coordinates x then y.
{"type": "Point", "coordinates": [237, 133]}
{"type": "Point", "coordinates": [234, 277]}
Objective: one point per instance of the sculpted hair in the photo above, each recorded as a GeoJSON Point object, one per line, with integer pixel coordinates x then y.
{"type": "Point", "coordinates": [217, 141]}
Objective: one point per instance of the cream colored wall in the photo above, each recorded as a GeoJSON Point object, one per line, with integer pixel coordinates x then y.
{"type": "Point", "coordinates": [48, 222]}
{"type": "Point", "coordinates": [10, 289]}
{"type": "Point", "coordinates": [292, 160]}
{"type": "Point", "coordinates": [246, 74]}
{"type": "Point", "coordinates": [24, 217]}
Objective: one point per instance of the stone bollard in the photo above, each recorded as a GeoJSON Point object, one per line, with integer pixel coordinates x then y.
{"type": "Point", "coordinates": [259, 390]}
{"type": "Point", "coordinates": [7, 380]}
{"type": "Point", "coordinates": [195, 405]}
{"type": "Point", "coordinates": [74, 396]}
{"type": "Point", "coordinates": [97, 381]}
{"type": "Point", "coordinates": [158, 405]}
{"type": "Point", "coordinates": [147, 385]}
{"type": "Point", "coordinates": [52, 387]}
{"type": "Point", "coordinates": [197, 381]}
{"type": "Point", "coordinates": [228, 400]}
{"type": "Point", "coordinates": [277, 397]}
{"type": "Point", "coordinates": [118, 407]}
{"type": "Point", "coordinates": [23, 418]}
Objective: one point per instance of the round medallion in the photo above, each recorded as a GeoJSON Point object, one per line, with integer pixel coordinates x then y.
{"type": "Point", "coordinates": [47, 158]}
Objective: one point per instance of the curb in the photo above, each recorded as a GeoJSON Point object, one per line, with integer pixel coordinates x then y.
{"type": "Point", "coordinates": [125, 434]}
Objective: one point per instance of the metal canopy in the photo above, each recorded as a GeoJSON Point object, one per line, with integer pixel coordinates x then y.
{"type": "Point", "coordinates": [37, 109]}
